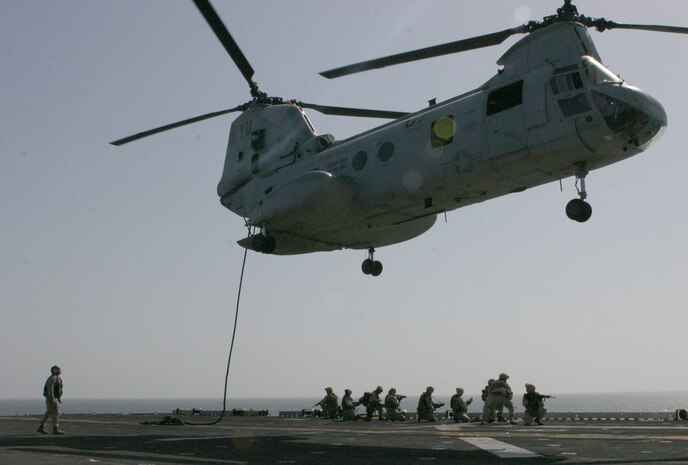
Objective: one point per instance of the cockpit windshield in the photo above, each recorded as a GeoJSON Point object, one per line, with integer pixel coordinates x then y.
{"type": "Point", "coordinates": [597, 73]}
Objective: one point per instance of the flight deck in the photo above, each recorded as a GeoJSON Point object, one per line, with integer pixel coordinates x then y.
{"type": "Point", "coordinates": [123, 439]}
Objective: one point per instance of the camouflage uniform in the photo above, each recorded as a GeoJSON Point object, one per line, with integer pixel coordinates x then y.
{"type": "Point", "coordinates": [460, 407]}
{"type": "Point", "coordinates": [500, 395]}
{"type": "Point", "coordinates": [374, 405]}
{"type": "Point", "coordinates": [426, 407]}
{"type": "Point", "coordinates": [349, 407]}
{"type": "Point", "coordinates": [535, 407]}
{"type": "Point", "coordinates": [488, 410]}
{"type": "Point", "coordinates": [392, 401]}
{"type": "Point", "coordinates": [329, 404]}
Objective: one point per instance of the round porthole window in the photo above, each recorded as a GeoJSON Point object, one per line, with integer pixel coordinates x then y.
{"type": "Point", "coordinates": [385, 151]}
{"type": "Point", "coordinates": [360, 160]}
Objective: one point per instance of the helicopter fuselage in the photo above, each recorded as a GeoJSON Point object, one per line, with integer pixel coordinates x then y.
{"type": "Point", "coordinates": [551, 112]}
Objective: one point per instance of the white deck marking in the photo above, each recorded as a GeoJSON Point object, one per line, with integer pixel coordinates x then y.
{"type": "Point", "coordinates": [499, 448]}
{"type": "Point", "coordinates": [196, 438]}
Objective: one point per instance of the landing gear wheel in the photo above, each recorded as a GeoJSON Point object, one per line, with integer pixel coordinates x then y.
{"type": "Point", "coordinates": [370, 265]}
{"type": "Point", "coordinates": [367, 266]}
{"type": "Point", "coordinates": [377, 268]}
{"type": "Point", "coordinates": [579, 210]}
{"type": "Point", "coordinates": [263, 243]}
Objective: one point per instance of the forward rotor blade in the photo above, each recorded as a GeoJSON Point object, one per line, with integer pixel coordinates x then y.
{"type": "Point", "coordinates": [642, 27]}
{"type": "Point", "coordinates": [167, 127]}
{"type": "Point", "coordinates": [343, 111]}
{"type": "Point", "coordinates": [487, 40]}
{"type": "Point", "coordinates": [226, 39]}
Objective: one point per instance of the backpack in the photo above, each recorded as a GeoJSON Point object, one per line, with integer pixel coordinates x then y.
{"type": "Point", "coordinates": [364, 400]}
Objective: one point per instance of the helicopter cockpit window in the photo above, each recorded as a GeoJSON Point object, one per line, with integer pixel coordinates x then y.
{"type": "Point", "coordinates": [597, 73]}
{"type": "Point", "coordinates": [629, 123]}
{"type": "Point", "coordinates": [504, 98]}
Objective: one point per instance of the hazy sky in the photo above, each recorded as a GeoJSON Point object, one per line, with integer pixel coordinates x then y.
{"type": "Point", "coordinates": [121, 265]}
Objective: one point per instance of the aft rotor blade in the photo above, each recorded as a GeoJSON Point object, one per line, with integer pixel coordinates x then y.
{"type": "Point", "coordinates": [641, 27]}
{"type": "Point", "coordinates": [226, 39]}
{"type": "Point", "coordinates": [487, 40]}
{"type": "Point", "coordinates": [343, 111]}
{"type": "Point", "coordinates": [167, 127]}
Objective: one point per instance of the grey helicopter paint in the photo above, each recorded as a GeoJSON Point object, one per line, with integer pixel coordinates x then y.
{"type": "Point", "coordinates": [553, 110]}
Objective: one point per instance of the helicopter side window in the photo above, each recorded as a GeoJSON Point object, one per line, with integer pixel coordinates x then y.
{"type": "Point", "coordinates": [359, 161]}
{"type": "Point", "coordinates": [385, 151]}
{"type": "Point", "coordinates": [561, 83]}
{"type": "Point", "coordinates": [258, 139]}
{"type": "Point", "coordinates": [442, 131]}
{"type": "Point", "coordinates": [504, 98]}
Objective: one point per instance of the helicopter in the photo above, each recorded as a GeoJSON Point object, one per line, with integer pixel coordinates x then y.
{"type": "Point", "coordinates": [553, 110]}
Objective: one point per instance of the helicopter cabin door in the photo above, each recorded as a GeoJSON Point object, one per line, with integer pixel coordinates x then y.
{"type": "Point", "coordinates": [535, 99]}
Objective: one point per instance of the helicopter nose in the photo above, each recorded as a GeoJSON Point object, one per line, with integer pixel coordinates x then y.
{"type": "Point", "coordinates": [654, 129]}
{"type": "Point", "coordinates": [650, 105]}
{"type": "Point", "coordinates": [632, 114]}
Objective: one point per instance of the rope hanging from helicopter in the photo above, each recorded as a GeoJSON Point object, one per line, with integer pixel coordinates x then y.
{"type": "Point", "coordinates": [231, 345]}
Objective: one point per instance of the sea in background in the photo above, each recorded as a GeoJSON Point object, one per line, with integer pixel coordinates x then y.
{"type": "Point", "coordinates": [590, 402]}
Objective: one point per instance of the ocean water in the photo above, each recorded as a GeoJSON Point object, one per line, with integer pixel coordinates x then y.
{"type": "Point", "coordinates": [590, 402]}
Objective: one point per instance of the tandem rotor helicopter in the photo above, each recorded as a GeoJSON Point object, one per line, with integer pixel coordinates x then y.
{"type": "Point", "coordinates": [552, 111]}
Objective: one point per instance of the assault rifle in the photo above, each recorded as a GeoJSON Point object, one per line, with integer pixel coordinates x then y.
{"type": "Point", "coordinates": [437, 404]}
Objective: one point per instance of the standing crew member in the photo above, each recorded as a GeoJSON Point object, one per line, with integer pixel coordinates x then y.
{"type": "Point", "coordinates": [52, 391]}
{"type": "Point", "coordinates": [500, 395]}
{"type": "Point", "coordinates": [488, 410]}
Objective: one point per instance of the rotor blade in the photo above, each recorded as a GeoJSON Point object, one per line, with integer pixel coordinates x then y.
{"type": "Point", "coordinates": [487, 40]}
{"type": "Point", "coordinates": [226, 39]}
{"type": "Point", "coordinates": [343, 111]}
{"type": "Point", "coordinates": [642, 27]}
{"type": "Point", "coordinates": [167, 127]}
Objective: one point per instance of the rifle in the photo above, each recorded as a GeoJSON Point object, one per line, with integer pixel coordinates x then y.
{"type": "Point", "coordinates": [543, 397]}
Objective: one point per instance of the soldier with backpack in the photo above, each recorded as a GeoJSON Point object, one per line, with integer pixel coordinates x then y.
{"type": "Point", "coordinates": [373, 404]}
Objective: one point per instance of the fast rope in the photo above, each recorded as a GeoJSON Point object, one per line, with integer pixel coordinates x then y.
{"type": "Point", "coordinates": [231, 347]}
